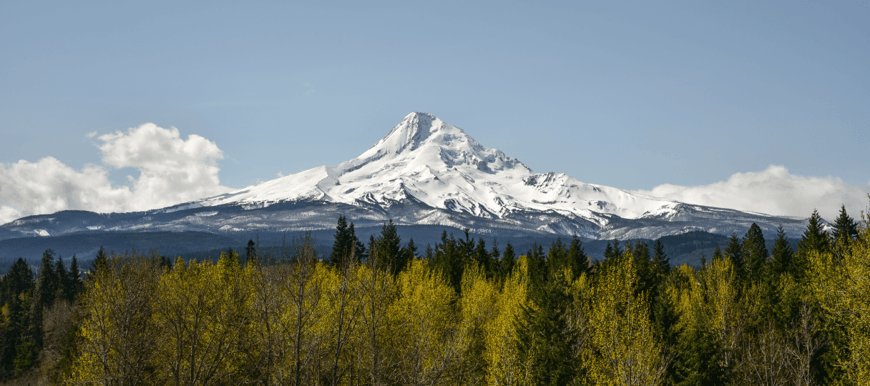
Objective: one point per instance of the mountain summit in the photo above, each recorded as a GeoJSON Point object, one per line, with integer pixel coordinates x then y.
{"type": "Point", "coordinates": [428, 172]}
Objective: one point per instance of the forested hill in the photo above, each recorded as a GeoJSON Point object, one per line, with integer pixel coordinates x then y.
{"type": "Point", "coordinates": [385, 311]}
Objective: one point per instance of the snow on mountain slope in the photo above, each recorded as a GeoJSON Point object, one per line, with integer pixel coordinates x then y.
{"type": "Point", "coordinates": [438, 164]}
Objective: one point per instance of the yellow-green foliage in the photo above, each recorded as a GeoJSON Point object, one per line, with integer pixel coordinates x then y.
{"type": "Point", "coordinates": [841, 285]}
{"type": "Point", "coordinates": [626, 350]}
{"type": "Point", "coordinates": [503, 360]}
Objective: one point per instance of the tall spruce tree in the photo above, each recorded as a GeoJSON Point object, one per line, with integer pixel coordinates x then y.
{"type": "Point", "coordinates": [845, 227]}
{"type": "Point", "coordinates": [578, 261]}
{"type": "Point", "coordinates": [343, 247]}
{"type": "Point", "coordinates": [661, 262]}
{"type": "Point", "coordinates": [390, 250]}
{"type": "Point", "coordinates": [755, 254]}
{"type": "Point", "coordinates": [75, 278]}
{"type": "Point", "coordinates": [544, 340]}
{"type": "Point", "coordinates": [782, 256]}
{"type": "Point", "coordinates": [508, 261]}
{"type": "Point", "coordinates": [251, 252]}
{"type": "Point", "coordinates": [734, 251]}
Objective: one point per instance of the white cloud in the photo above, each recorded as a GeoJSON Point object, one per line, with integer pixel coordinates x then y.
{"type": "Point", "coordinates": [91, 134]}
{"type": "Point", "coordinates": [171, 170]}
{"type": "Point", "coordinates": [773, 191]}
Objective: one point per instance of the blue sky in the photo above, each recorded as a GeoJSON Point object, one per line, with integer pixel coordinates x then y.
{"type": "Point", "coordinates": [627, 94]}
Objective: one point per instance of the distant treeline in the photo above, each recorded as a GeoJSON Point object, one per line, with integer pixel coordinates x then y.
{"type": "Point", "coordinates": [381, 311]}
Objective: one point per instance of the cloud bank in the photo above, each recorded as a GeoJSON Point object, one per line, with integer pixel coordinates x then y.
{"type": "Point", "coordinates": [171, 170]}
{"type": "Point", "coordinates": [773, 191]}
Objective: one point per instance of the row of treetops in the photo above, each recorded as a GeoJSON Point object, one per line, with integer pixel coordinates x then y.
{"type": "Point", "coordinates": [459, 314]}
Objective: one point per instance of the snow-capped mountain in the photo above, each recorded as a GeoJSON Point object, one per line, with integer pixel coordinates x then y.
{"type": "Point", "coordinates": [427, 172]}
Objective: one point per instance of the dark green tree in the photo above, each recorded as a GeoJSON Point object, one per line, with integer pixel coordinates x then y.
{"type": "Point", "coordinates": [782, 255]}
{"type": "Point", "coordinates": [845, 227]}
{"type": "Point", "coordinates": [578, 260]}
{"type": "Point", "coordinates": [75, 278]}
{"type": "Point", "coordinates": [755, 254]}
{"type": "Point", "coordinates": [251, 252]}
{"type": "Point", "coordinates": [734, 251]}
{"type": "Point", "coordinates": [543, 337]}
{"type": "Point", "coordinates": [101, 262]}
{"type": "Point", "coordinates": [661, 262]}
{"type": "Point", "coordinates": [508, 261]}
{"type": "Point", "coordinates": [344, 245]}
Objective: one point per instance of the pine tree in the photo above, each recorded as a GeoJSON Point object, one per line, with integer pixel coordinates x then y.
{"type": "Point", "coordinates": [578, 261]}
{"type": "Point", "coordinates": [481, 256]}
{"type": "Point", "coordinates": [544, 340]}
{"type": "Point", "coordinates": [661, 262]}
{"type": "Point", "coordinates": [75, 278]}
{"type": "Point", "coordinates": [754, 253]}
{"type": "Point", "coordinates": [782, 255]}
{"type": "Point", "coordinates": [343, 245]}
{"type": "Point", "coordinates": [100, 264]}
{"type": "Point", "coordinates": [43, 296]}
{"type": "Point", "coordinates": [251, 253]}
{"type": "Point", "coordinates": [815, 238]}
{"type": "Point", "coordinates": [508, 261]}
{"type": "Point", "coordinates": [390, 250]}
{"type": "Point", "coordinates": [845, 227]}
{"type": "Point", "coordinates": [734, 251]}
{"type": "Point", "coordinates": [64, 289]}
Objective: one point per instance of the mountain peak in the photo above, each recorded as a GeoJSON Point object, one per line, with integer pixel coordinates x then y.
{"type": "Point", "coordinates": [414, 130]}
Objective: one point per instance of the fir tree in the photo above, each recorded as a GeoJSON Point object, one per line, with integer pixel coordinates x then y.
{"type": "Point", "coordinates": [75, 278]}
{"type": "Point", "coordinates": [64, 289]}
{"type": "Point", "coordinates": [543, 338]}
{"type": "Point", "coordinates": [343, 247]}
{"type": "Point", "coordinates": [578, 261]}
{"type": "Point", "coordinates": [43, 296]}
{"type": "Point", "coordinates": [661, 262]}
{"type": "Point", "coordinates": [782, 255]}
{"type": "Point", "coordinates": [251, 252]}
{"type": "Point", "coordinates": [755, 254]}
{"type": "Point", "coordinates": [815, 238]}
{"type": "Point", "coordinates": [845, 227]}
{"type": "Point", "coordinates": [390, 250]}
{"type": "Point", "coordinates": [101, 263]}
{"type": "Point", "coordinates": [508, 261]}
{"type": "Point", "coordinates": [481, 256]}
{"type": "Point", "coordinates": [734, 251]}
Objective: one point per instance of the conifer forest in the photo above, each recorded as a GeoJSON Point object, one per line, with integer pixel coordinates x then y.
{"type": "Point", "coordinates": [384, 311]}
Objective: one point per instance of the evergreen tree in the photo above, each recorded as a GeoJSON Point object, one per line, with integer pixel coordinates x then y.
{"type": "Point", "coordinates": [390, 250]}
{"type": "Point", "coordinates": [717, 254]}
{"type": "Point", "coordinates": [410, 250]}
{"type": "Point", "coordinates": [43, 296]}
{"type": "Point", "coordinates": [755, 254]}
{"type": "Point", "coordinates": [430, 253]}
{"type": "Point", "coordinates": [578, 261]}
{"type": "Point", "coordinates": [782, 254]}
{"type": "Point", "coordinates": [64, 289]}
{"type": "Point", "coordinates": [544, 340]}
{"type": "Point", "coordinates": [508, 261]}
{"type": "Point", "coordinates": [845, 227]}
{"type": "Point", "coordinates": [646, 275]}
{"type": "Point", "coordinates": [344, 245]}
{"type": "Point", "coordinates": [734, 251]}
{"type": "Point", "coordinates": [75, 278]}
{"type": "Point", "coordinates": [661, 262]}
{"type": "Point", "coordinates": [557, 256]}
{"type": "Point", "coordinates": [495, 260]}
{"type": "Point", "coordinates": [101, 262]}
{"type": "Point", "coordinates": [481, 256]}
{"type": "Point", "coordinates": [449, 261]}
{"type": "Point", "coordinates": [251, 252]}
{"type": "Point", "coordinates": [815, 238]}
